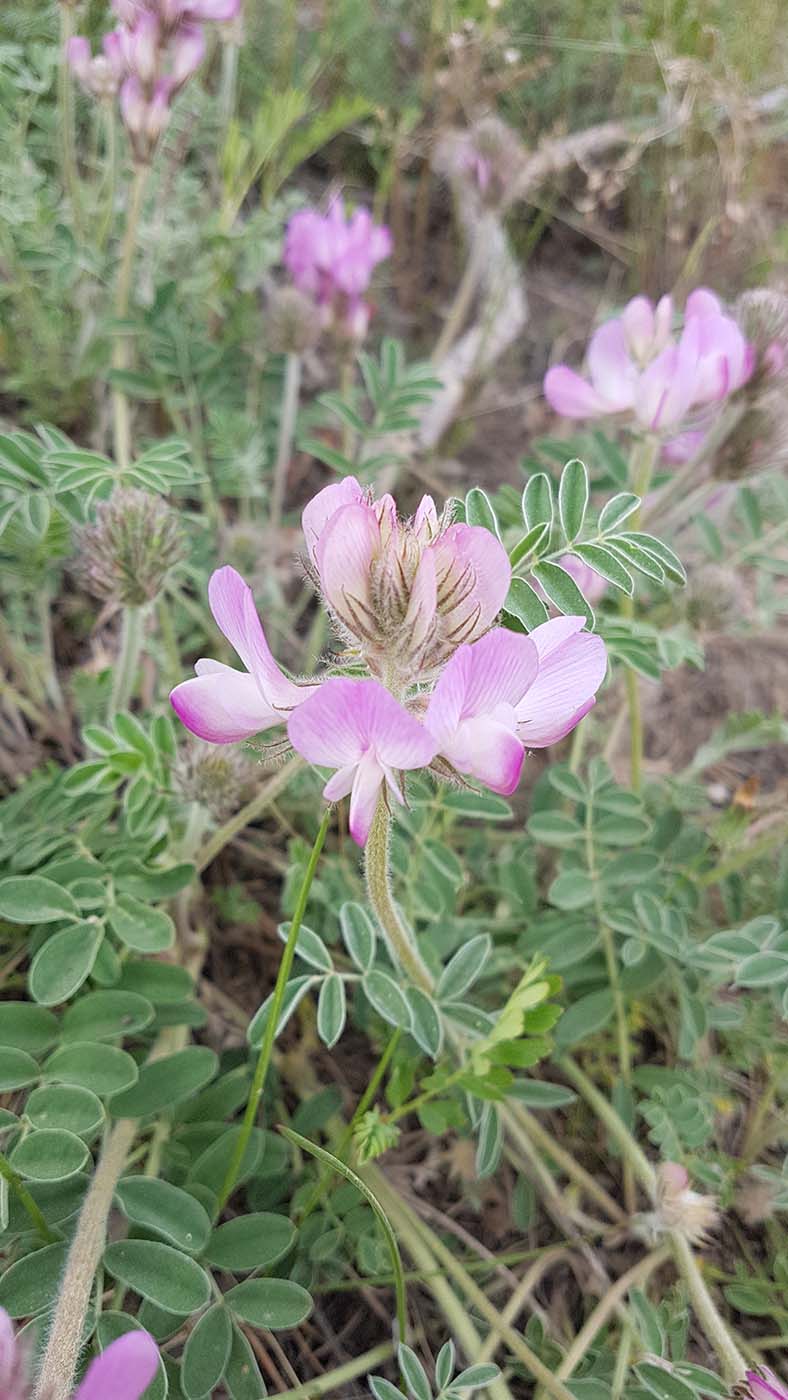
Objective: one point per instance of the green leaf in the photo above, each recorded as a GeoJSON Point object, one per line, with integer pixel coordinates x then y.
{"type": "Point", "coordinates": [670, 562]}
{"type": "Point", "coordinates": [206, 1353]}
{"type": "Point", "coordinates": [211, 1166]}
{"type": "Point", "coordinates": [542, 1093]}
{"type": "Point", "coordinates": [32, 899]}
{"type": "Point", "coordinates": [165, 1210]}
{"type": "Point", "coordinates": [766, 969]}
{"type": "Point", "coordinates": [17, 1069]}
{"type": "Point", "coordinates": [554, 829]}
{"type": "Point", "coordinates": [295, 991]}
{"type": "Point", "coordinates": [165, 1276]}
{"type": "Point", "coordinates": [616, 511]}
{"type": "Point", "coordinates": [358, 934]}
{"type": "Point", "coordinates": [65, 1106]}
{"type": "Point", "coordinates": [413, 1373]}
{"type": "Point", "coordinates": [104, 1069]}
{"type": "Point", "coordinates": [662, 1383]}
{"type": "Point", "coordinates": [444, 1365]}
{"type": "Point", "coordinates": [573, 498]}
{"type": "Point", "coordinates": [649, 1325]}
{"type": "Point", "coordinates": [479, 511]}
{"type": "Point", "coordinates": [159, 982]}
{"type": "Point", "coordinates": [640, 559]}
{"type": "Point", "coordinates": [112, 1325]}
{"type": "Point", "coordinates": [331, 1010]}
{"type": "Point", "coordinates": [106, 1016]}
{"type": "Point", "coordinates": [605, 563]}
{"type": "Point", "coordinates": [64, 962]}
{"type": "Point", "coordinates": [30, 1285]}
{"type": "Point", "coordinates": [140, 927]}
{"type": "Point", "coordinates": [478, 806]}
{"type": "Point", "coordinates": [273, 1303]}
{"type": "Point", "coordinates": [242, 1375]}
{"type": "Point", "coordinates": [584, 1017]}
{"type": "Point", "coordinates": [254, 1241]}
{"type": "Point", "coordinates": [383, 1389]}
{"type": "Point", "coordinates": [59, 1201]}
{"type": "Point", "coordinates": [49, 1154]}
{"type": "Point", "coordinates": [387, 999]}
{"type": "Point", "coordinates": [310, 947]}
{"type": "Point", "coordinates": [531, 544]}
{"type": "Point", "coordinates": [464, 968]}
{"type": "Point", "coordinates": [524, 605]}
{"type": "Point", "coordinates": [166, 1082]}
{"type": "Point", "coordinates": [490, 1144]}
{"type": "Point", "coordinates": [475, 1376]}
{"type": "Point", "coordinates": [572, 889]}
{"type": "Point", "coordinates": [562, 590]}
{"type": "Point", "coordinates": [537, 502]}
{"type": "Point", "coordinates": [427, 1026]}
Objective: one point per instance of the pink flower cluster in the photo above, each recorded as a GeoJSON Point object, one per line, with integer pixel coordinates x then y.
{"type": "Point", "coordinates": [123, 1371]}
{"type": "Point", "coordinates": [415, 603]}
{"type": "Point", "coordinates": [331, 258]}
{"type": "Point", "coordinates": [155, 48]}
{"type": "Point", "coordinates": [637, 365]}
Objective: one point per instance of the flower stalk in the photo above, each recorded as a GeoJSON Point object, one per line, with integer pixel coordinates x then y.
{"type": "Point", "coordinates": [120, 354]}
{"type": "Point", "coordinates": [398, 937]}
{"type": "Point", "coordinates": [269, 1034]}
{"type": "Point", "coordinates": [284, 447]}
{"type": "Point", "coordinates": [126, 668]}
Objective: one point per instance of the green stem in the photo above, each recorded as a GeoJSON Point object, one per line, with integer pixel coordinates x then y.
{"type": "Point", "coordinates": [26, 1201]}
{"type": "Point", "coordinates": [641, 470]}
{"type": "Point", "coordinates": [120, 354]}
{"type": "Point", "coordinates": [128, 660]}
{"type": "Point", "coordinates": [111, 162]}
{"type": "Point", "coordinates": [614, 978]}
{"type": "Point", "coordinates": [333, 1163]}
{"type": "Point", "coordinates": [361, 1107]}
{"type": "Point", "coordinates": [341, 1376]}
{"type": "Point", "coordinates": [253, 809]}
{"type": "Point", "coordinates": [731, 1359]}
{"type": "Point", "coordinates": [635, 729]}
{"type": "Point", "coordinates": [776, 836]}
{"type": "Point", "coordinates": [66, 103]}
{"type": "Point", "coordinates": [269, 1034]}
{"type": "Point", "coordinates": [398, 938]}
{"type": "Point", "coordinates": [615, 1125]}
{"type": "Point", "coordinates": [44, 602]}
{"type": "Point", "coordinates": [284, 447]}
{"type": "Point", "coordinates": [633, 1278]}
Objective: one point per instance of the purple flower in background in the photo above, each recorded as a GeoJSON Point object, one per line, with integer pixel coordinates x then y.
{"type": "Point", "coordinates": [123, 1371]}
{"type": "Point", "coordinates": [100, 75]}
{"type": "Point", "coordinates": [636, 365]}
{"type": "Point", "coordinates": [331, 258]}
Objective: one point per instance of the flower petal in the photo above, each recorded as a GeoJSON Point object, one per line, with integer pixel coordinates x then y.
{"type": "Point", "coordinates": [572, 666]}
{"type": "Point", "coordinates": [235, 613]}
{"type": "Point", "coordinates": [489, 749]}
{"type": "Point", "coordinates": [425, 521]}
{"type": "Point", "coordinates": [223, 705]}
{"type": "Point", "coordinates": [344, 554]}
{"type": "Point", "coordinates": [422, 603]}
{"type": "Point", "coordinates": [497, 669]}
{"type": "Point", "coordinates": [637, 319]}
{"type": "Point", "coordinates": [326, 503]}
{"type": "Point", "coordinates": [611, 367]}
{"type": "Point", "coordinates": [571, 395]}
{"type": "Point", "coordinates": [123, 1371]}
{"type": "Point", "coordinates": [765, 1385]}
{"type": "Point", "coordinates": [702, 302]}
{"type": "Point", "coordinates": [347, 718]}
{"type": "Point", "coordinates": [473, 575]}
{"type": "Point", "coordinates": [364, 797]}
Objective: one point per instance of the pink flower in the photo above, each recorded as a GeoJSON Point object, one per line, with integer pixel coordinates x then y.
{"type": "Point", "coordinates": [331, 258]}
{"type": "Point", "coordinates": [123, 1371]}
{"type": "Point", "coordinates": [408, 593]}
{"type": "Point", "coordinates": [636, 366]}
{"type": "Point", "coordinates": [222, 704]}
{"type": "Point", "coordinates": [358, 728]}
{"type": "Point", "coordinates": [101, 75]}
{"type": "Point", "coordinates": [763, 1384]}
{"type": "Point", "coordinates": [506, 693]}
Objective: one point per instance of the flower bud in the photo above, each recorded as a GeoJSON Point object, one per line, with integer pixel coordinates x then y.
{"type": "Point", "coordinates": [213, 777]}
{"type": "Point", "coordinates": [487, 157]}
{"type": "Point", "coordinates": [126, 555]}
{"type": "Point", "coordinates": [680, 1208]}
{"type": "Point", "coordinates": [292, 326]}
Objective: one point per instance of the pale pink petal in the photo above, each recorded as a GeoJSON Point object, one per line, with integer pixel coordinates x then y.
{"type": "Point", "coordinates": [637, 318]}
{"type": "Point", "coordinates": [223, 705]}
{"type": "Point", "coordinates": [668, 387]}
{"type": "Point", "coordinates": [123, 1371]}
{"type": "Point", "coordinates": [187, 50]}
{"type": "Point", "coordinates": [473, 575]}
{"type": "Point", "coordinates": [347, 718]}
{"type": "Point", "coordinates": [571, 395]}
{"type": "Point", "coordinates": [423, 601]}
{"type": "Point", "coordinates": [425, 521]}
{"type": "Point", "coordinates": [572, 666]}
{"type": "Point", "coordinates": [725, 360]}
{"type": "Point", "coordinates": [345, 551]}
{"type": "Point", "coordinates": [216, 10]}
{"type": "Point", "coordinates": [765, 1385]}
{"type": "Point", "coordinates": [234, 611]}
{"type": "Point", "coordinates": [364, 797]}
{"type": "Point", "coordinates": [497, 669]}
{"type": "Point", "coordinates": [341, 783]}
{"type": "Point", "coordinates": [488, 748]}
{"type": "Point", "coordinates": [701, 303]}
{"type": "Point", "coordinates": [78, 56]}
{"type": "Point", "coordinates": [327, 502]}
{"type": "Point", "coordinates": [611, 367]}
{"type": "Point", "coordinates": [682, 448]}
{"type": "Point", "coordinates": [663, 323]}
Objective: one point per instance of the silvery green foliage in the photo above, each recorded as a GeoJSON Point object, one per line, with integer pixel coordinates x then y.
{"type": "Point", "coordinates": [447, 1385]}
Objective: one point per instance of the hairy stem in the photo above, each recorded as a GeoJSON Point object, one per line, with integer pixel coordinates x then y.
{"type": "Point", "coordinates": [641, 470]}
{"type": "Point", "coordinates": [128, 660]}
{"type": "Point", "coordinates": [64, 1343]}
{"type": "Point", "coordinates": [269, 1034]}
{"type": "Point", "coordinates": [66, 103]}
{"type": "Point", "coordinates": [730, 1358]}
{"type": "Point", "coordinates": [120, 355]}
{"type": "Point", "coordinates": [284, 446]}
{"type": "Point", "coordinates": [398, 937]}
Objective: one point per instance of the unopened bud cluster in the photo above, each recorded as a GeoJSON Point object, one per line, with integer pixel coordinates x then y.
{"type": "Point", "coordinates": [213, 777]}
{"type": "Point", "coordinates": [487, 158]}
{"type": "Point", "coordinates": [129, 551]}
{"type": "Point", "coordinates": [146, 60]}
